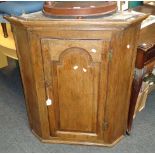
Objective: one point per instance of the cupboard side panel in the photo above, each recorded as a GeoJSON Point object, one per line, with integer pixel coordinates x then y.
{"type": "Point", "coordinates": [39, 82]}
{"type": "Point", "coordinates": [120, 79]}
{"type": "Point", "coordinates": [24, 58]}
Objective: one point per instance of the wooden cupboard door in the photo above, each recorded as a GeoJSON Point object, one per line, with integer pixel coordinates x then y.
{"type": "Point", "coordinates": [76, 82]}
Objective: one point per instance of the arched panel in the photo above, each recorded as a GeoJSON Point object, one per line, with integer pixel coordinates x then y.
{"type": "Point", "coordinates": [77, 86]}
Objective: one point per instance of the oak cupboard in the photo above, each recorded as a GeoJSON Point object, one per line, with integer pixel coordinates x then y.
{"type": "Point", "coordinates": [77, 75]}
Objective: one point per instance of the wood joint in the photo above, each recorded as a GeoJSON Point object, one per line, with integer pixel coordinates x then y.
{"type": "Point", "coordinates": [105, 125]}
{"type": "Point", "coordinates": [110, 54]}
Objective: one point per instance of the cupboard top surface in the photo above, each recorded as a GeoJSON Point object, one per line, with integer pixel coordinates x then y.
{"type": "Point", "coordinates": [125, 16]}
{"type": "Point", "coordinates": [115, 20]}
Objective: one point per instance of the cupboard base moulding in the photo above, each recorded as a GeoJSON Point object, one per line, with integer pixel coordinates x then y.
{"type": "Point", "coordinates": [60, 141]}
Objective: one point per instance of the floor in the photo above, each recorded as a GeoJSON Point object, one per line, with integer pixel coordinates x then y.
{"type": "Point", "coordinates": [15, 135]}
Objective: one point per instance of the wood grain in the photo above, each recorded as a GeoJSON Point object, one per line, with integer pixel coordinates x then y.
{"type": "Point", "coordinates": [86, 68]}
